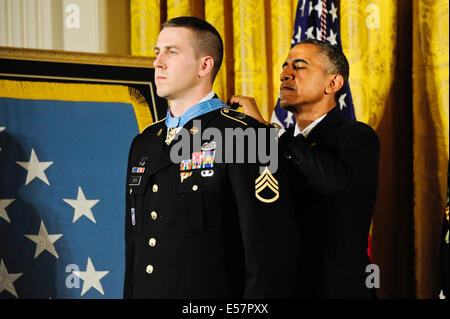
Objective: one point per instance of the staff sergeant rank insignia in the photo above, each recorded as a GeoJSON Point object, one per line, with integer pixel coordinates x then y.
{"type": "Point", "coordinates": [264, 181]}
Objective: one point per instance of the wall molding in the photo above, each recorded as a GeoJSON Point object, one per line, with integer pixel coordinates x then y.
{"type": "Point", "coordinates": [75, 57]}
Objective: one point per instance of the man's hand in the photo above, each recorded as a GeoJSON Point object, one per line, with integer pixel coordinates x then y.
{"type": "Point", "coordinates": [249, 107]}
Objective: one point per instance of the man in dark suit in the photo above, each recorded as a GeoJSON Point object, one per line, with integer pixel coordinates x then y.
{"type": "Point", "coordinates": [214, 223]}
{"type": "Point", "coordinates": [333, 165]}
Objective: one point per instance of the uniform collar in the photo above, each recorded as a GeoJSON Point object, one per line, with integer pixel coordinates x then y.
{"type": "Point", "coordinates": [307, 130]}
{"type": "Point", "coordinates": [200, 108]}
{"type": "Point", "coordinates": [323, 128]}
{"type": "Point", "coordinates": [329, 124]}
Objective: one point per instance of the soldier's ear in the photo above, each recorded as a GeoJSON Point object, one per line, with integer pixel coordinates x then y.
{"type": "Point", "coordinates": [206, 66]}
{"type": "Point", "coordinates": [335, 83]}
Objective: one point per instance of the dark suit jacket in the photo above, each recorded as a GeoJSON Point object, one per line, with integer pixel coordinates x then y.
{"type": "Point", "coordinates": [334, 178]}
{"type": "Point", "coordinates": [206, 236]}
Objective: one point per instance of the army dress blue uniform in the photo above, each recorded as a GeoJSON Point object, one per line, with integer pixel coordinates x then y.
{"type": "Point", "coordinates": [214, 232]}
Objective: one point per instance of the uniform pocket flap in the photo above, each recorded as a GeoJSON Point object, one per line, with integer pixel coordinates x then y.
{"type": "Point", "coordinates": [197, 181]}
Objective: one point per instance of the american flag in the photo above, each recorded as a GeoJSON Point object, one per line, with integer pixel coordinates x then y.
{"type": "Point", "coordinates": [62, 191]}
{"type": "Point", "coordinates": [316, 19]}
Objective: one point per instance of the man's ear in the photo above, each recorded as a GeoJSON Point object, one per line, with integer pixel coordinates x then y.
{"type": "Point", "coordinates": [335, 83]}
{"type": "Point", "coordinates": [206, 66]}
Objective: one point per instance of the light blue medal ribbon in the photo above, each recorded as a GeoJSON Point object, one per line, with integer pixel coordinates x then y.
{"type": "Point", "coordinates": [193, 112]}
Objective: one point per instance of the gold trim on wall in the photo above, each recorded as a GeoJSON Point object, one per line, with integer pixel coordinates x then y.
{"type": "Point", "coordinates": [75, 57]}
{"type": "Point", "coordinates": [80, 58]}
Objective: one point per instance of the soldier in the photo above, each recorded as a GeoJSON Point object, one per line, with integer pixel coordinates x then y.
{"type": "Point", "coordinates": [202, 226]}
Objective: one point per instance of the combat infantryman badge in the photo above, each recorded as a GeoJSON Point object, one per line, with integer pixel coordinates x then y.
{"type": "Point", "coordinates": [208, 146]}
{"type": "Point", "coordinates": [266, 180]}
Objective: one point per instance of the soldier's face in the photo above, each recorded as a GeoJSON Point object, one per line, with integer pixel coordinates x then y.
{"type": "Point", "coordinates": [303, 79]}
{"type": "Point", "coordinates": [176, 65]}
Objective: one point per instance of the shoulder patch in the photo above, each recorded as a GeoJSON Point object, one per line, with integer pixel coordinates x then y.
{"type": "Point", "coordinates": [234, 115]}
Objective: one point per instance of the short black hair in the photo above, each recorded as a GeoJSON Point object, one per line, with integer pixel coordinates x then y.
{"type": "Point", "coordinates": [208, 42]}
{"type": "Point", "coordinates": [338, 61]}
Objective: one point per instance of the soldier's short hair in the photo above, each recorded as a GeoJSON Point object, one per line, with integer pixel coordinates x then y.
{"type": "Point", "coordinates": [208, 40]}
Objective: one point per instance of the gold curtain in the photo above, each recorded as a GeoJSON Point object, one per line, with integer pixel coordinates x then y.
{"type": "Point", "coordinates": [430, 127]}
{"type": "Point", "coordinates": [215, 14]}
{"type": "Point", "coordinates": [244, 25]}
{"type": "Point", "coordinates": [398, 55]}
{"type": "Point", "coordinates": [145, 26]}
{"type": "Point", "coordinates": [368, 34]}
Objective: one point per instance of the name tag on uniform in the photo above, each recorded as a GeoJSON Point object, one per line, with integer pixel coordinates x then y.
{"type": "Point", "coordinates": [135, 180]}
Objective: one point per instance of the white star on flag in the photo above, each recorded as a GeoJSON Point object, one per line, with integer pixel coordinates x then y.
{"type": "Point", "coordinates": [288, 120]}
{"type": "Point", "coordinates": [6, 280]}
{"type": "Point", "coordinates": [332, 38]}
{"type": "Point", "coordinates": [91, 278]}
{"type": "Point", "coordinates": [310, 8]}
{"type": "Point", "coordinates": [35, 168]}
{"type": "Point", "coordinates": [82, 206]}
{"type": "Point", "coordinates": [309, 33]}
{"type": "Point", "coordinates": [342, 102]}
{"type": "Point", "coordinates": [333, 11]}
{"type": "Point", "coordinates": [302, 8]}
{"type": "Point", "coordinates": [3, 204]}
{"type": "Point", "coordinates": [318, 7]}
{"type": "Point", "coordinates": [318, 34]}
{"type": "Point", "coordinates": [297, 35]}
{"type": "Point", "coordinates": [44, 241]}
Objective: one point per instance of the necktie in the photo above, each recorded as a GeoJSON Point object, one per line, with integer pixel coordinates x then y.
{"type": "Point", "coordinates": [171, 134]}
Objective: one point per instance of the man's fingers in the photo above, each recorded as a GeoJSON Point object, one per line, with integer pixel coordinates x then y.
{"type": "Point", "coordinates": [248, 105]}
{"type": "Point", "coordinates": [243, 101]}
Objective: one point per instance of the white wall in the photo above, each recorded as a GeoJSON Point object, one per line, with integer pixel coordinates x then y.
{"type": "Point", "coordinates": [73, 25]}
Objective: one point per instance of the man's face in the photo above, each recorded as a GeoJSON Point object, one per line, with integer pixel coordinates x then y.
{"type": "Point", "coordinates": [176, 64]}
{"type": "Point", "coordinates": [303, 79]}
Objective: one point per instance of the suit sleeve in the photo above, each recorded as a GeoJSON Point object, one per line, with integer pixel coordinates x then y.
{"type": "Point", "coordinates": [129, 241]}
{"type": "Point", "coordinates": [269, 232]}
{"type": "Point", "coordinates": [353, 159]}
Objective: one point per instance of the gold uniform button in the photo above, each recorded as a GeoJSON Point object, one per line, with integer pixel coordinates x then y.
{"type": "Point", "coordinates": [194, 188]}
{"type": "Point", "coordinates": [149, 269]}
{"type": "Point", "coordinates": [152, 242]}
{"type": "Point", "coordinates": [154, 215]}
{"type": "Point", "coordinates": [155, 188]}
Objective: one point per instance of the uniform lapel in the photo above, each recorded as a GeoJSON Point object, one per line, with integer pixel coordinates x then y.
{"type": "Point", "coordinates": [157, 148]}
{"type": "Point", "coordinates": [328, 125]}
